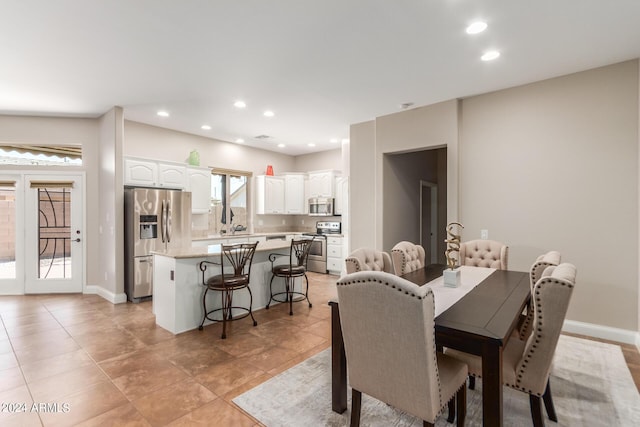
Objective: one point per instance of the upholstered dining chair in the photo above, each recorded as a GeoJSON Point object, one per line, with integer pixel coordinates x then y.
{"type": "Point", "coordinates": [235, 271]}
{"type": "Point", "coordinates": [364, 259]}
{"type": "Point", "coordinates": [296, 267]}
{"type": "Point", "coordinates": [484, 253]}
{"type": "Point", "coordinates": [393, 358]}
{"type": "Point", "coordinates": [542, 262]}
{"type": "Point", "coordinates": [407, 257]}
{"type": "Point", "coordinates": [526, 365]}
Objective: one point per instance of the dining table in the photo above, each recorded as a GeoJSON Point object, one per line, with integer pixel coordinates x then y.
{"type": "Point", "coordinates": [480, 322]}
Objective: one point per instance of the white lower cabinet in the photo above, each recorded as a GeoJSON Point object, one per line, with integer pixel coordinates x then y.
{"type": "Point", "coordinates": [334, 255]}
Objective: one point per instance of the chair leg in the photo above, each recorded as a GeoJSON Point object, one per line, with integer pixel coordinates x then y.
{"type": "Point", "coordinates": [290, 294]}
{"type": "Point", "coordinates": [225, 309]}
{"type": "Point", "coordinates": [452, 410]}
{"type": "Point", "coordinates": [204, 306]}
{"type": "Point", "coordinates": [426, 424]}
{"type": "Point", "coordinates": [461, 397]}
{"type": "Point", "coordinates": [270, 291]}
{"type": "Point", "coordinates": [306, 294]}
{"type": "Point", "coordinates": [548, 403]}
{"type": "Point", "coordinates": [472, 382]}
{"type": "Point", "coordinates": [251, 305]}
{"type": "Point", "coordinates": [536, 410]}
{"type": "Point", "coordinates": [356, 402]}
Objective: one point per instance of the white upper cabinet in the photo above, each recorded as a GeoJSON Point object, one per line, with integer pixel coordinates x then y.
{"type": "Point", "coordinates": [172, 175]}
{"type": "Point", "coordinates": [140, 172]}
{"type": "Point", "coordinates": [341, 193]}
{"type": "Point", "coordinates": [154, 173]}
{"type": "Point", "coordinates": [322, 183]}
{"type": "Point", "coordinates": [294, 194]}
{"type": "Point", "coordinates": [269, 194]}
{"type": "Point", "coordinates": [200, 188]}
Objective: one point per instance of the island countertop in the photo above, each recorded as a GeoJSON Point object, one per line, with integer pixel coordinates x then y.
{"type": "Point", "coordinates": [214, 250]}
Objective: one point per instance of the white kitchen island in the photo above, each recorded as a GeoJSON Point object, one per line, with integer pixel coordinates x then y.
{"type": "Point", "coordinates": [178, 289]}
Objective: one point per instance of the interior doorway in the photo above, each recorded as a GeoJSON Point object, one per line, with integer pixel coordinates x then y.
{"type": "Point", "coordinates": [429, 220]}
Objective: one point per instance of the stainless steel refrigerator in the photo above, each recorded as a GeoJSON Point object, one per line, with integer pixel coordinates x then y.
{"type": "Point", "coordinates": [154, 220]}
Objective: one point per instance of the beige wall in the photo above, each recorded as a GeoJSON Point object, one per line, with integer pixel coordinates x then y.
{"type": "Point", "coordinates": [554, 165]}
{"type": "Point", "coordinates": [110, 268]}
{"type": "Point", "coordinates": [322, 160]}
{"type": "Point", "coordinates": [363, 197]}
{"type": "Point", "coordinates": [549, 165]}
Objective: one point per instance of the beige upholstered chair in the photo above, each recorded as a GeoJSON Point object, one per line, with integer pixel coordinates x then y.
{"type": "Point", "coordinates": [393, 358]}
{"type": "Point", "coordinates": [538, 267]}
{"type": "Point", "coordinates": [364, 259]}
{"type": "Point", "coordinates": [484, 253]}
{"type": "Point", "coordinates": [406, 257]}
{"type": "Point", "coordinates": [526, 364]}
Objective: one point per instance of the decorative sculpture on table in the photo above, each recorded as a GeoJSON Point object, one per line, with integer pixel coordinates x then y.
{"type": "Point", "coordinates": [452, 275]}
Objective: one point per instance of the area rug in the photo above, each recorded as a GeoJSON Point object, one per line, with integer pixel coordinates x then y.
{"type": "Point", "coordinates": [590, 381]}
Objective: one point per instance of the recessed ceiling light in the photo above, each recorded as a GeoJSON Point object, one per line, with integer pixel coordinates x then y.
{"type": "Point", "coordinates": [311, 144]}
{"type": "Point", "coordinates": [239, 140]}
{"type": "Point", "coordinates": [281, 145]}
{"type": "Point", "coordinates": [490, 56]}
{"type": "Point", "coordinates": [476, 27]}
{"type": "Point", "coordinates": [333, 140]}
{"type": "Point", "coordinates": [239, 104]}
{"type": "Point", "coordinates": [205, 127]}
{"type": "Point", "coordinates": [269, 113]}
{"type": "Point", "coordinates": [163, 114]}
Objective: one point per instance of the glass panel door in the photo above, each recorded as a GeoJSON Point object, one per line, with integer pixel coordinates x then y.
{"type": "Point", "coordinates": [54, 243]}
{"type": "Point", "coordinates": [11, 248]}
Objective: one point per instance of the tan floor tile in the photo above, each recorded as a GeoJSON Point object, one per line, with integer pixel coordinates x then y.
{"type": "Point", "coordinates": [301, 341]}
{"type": "Point", "coordinates": [19, 397]}
{"type": "Point", "coordinates": [142, 381]}
{"type": "Point", "coordinates": [189, 341]}
{"type": "Point", "coordinates": [223, 413]}
{"type": "Point", "coordinates": [33, 319]}
{"type": "Point", "coordinates": [244, 344]}
{"type": "Point", "coordinates": [226, 376]}
{"type": "Point", "coordinates": [57, 387]}
{"type": "Point", "coordinates": [321, 329]}
{"type": "Point", "coordinates": [300, 358]}
{"type": "Point", "coordinates": [5, 346]}
{"type": "Point", "coordinates": [46, 350]}
{"type": "Point", "coordinates": [33, 328]}
{"type": "Point", "coordinates": [122, 416]}
{"type": "Point", "coordinates": [89, 403]}
{"type": "Point", "coordinates": [55, 365]}
{"type": "Point", "coordinates": [197, 361]}
{"type": "Point", "coordinates": [38, 338]}
{"type": "Point", "coordinates": [237, 391]}
{"type": "Point", "coordinates": [112, 346]}
{"type": "Point", "coordinates": [8, 360]}
{"type": "Point", "coordinates": [11, 378]}
{"type": "Point", "coordinates": [172, 402]}
{"type": "Point", "coordinates": [20, 419]}
{"type": "Point", "coordinates": [124, 364]}
{"type": "Point", "coordinates": [270, 358]}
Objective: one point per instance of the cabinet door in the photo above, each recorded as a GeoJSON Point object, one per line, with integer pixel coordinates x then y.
{"type": "Point", "coordinates": [294, 194]}
{"type": "Point", "coordinates": [140, 172]}
{"type": "Point", "coordinates": [200, 187]}
{"type": "Point", "coordinates": [321, 184]}
{"type": "Point", "coordinates": [274, 195]}
{"type": "Point", "coordinates": [172, 176]}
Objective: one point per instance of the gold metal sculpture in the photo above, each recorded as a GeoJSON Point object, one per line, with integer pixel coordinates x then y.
{"type": "Point", "coordinates": [453, 244]}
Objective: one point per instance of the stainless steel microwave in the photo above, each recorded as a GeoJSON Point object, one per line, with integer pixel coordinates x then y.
{"type": "Point", "coordinates": [321, 206]}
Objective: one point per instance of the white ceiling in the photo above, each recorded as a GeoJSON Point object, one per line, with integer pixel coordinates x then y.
{"type": "Point", "coordinates": [320, 65]}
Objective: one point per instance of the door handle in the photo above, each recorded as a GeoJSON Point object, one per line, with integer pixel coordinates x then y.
{"type": "Point", "coordinates": [77, 240]}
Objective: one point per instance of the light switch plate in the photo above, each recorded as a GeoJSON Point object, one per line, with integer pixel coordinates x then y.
{"type": "Point", "coordinates": [484, 234]}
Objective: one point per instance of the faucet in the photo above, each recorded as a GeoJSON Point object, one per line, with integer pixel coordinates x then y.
{"type": "Point", "coordinates": [232, 229]}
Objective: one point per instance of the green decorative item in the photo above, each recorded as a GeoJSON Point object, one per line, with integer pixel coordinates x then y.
{"type": "Point", "coordinates": [194, 158]}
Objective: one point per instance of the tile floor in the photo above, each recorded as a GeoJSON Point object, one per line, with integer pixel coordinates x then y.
{"type": "Point", "coordinates": [105, 364]}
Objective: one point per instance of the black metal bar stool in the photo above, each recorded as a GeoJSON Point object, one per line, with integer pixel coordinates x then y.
{"type": "Point", "coordinates": [297, 267]}
{"type": "Point", "coordinates": [236, 257]}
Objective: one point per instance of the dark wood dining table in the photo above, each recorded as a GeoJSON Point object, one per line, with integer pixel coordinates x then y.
{"type": "Point", "coordinates": [480, 323]}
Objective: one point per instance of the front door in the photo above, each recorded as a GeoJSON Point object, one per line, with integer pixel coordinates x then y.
{"type": "Point", "coordinates": [53, 233]}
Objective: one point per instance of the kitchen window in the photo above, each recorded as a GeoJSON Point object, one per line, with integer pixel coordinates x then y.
{"type": "Point", "coordinates": [229, 201]}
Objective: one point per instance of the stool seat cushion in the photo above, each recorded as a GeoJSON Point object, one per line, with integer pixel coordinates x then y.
{"type": "Point", "coordinates": [286, 270]}
{"type": "Point", "coordinates": [230, 281]}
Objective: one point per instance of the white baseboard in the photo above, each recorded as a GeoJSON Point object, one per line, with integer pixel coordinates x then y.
{"type": "Point", "coordinates": [604, 332]}
{"type": "Point", "coordinates": [108, 295]}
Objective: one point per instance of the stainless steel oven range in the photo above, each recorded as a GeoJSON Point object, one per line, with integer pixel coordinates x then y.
{"type": "Point", "coordinates": [317, 260]}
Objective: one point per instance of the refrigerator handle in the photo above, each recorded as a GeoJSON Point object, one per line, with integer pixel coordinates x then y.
{"type": "Point", "coordinates": [163, 221]}
{"type": "Point", "coordinates": [169, 214]}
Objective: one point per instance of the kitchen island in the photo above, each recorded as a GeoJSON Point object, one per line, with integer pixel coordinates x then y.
{"type": "Point", "coordinates": [178, 289]}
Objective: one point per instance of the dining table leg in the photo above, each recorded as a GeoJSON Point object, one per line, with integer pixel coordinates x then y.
{"type": "Point", "coordinates": [338, 363]}
{"type": "Point", "coordinates": [492, 384]}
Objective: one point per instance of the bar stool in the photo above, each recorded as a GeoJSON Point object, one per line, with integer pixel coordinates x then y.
{"type": "Point", "coordinates": [236, 257]}
{"type": "Point", "coordinates": [297, 267]}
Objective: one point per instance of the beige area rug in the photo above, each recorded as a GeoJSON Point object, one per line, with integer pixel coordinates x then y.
{"type": "Point", "coordinates": [590, 382]}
